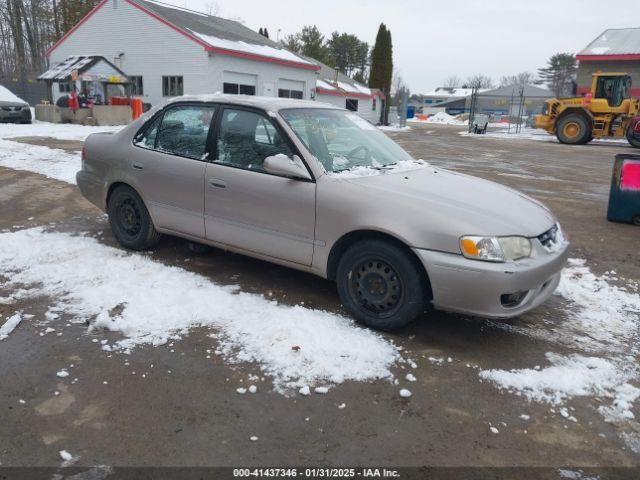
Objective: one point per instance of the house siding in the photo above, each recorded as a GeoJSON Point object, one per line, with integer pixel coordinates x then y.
{"type": "Point", "coordinates": [151, 49]}
{"type": "Point", "coordinates": [365, 105]}
{"type": "Point", "coordinates": [587, 68]}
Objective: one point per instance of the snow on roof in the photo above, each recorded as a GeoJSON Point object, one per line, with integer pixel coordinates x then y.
{"type": "Point", "coordinates": [63, 70]}
{"type": "Point", "coordinates": [253, 48]}
{"type": "Point", "coordinates": [324, 84]}
{"type": "Point", "coordinates": [615, 41]}
{"type": "Point", "coordinates": [7, 95]}
{"type": "Point", "coordinates": [452, 92]}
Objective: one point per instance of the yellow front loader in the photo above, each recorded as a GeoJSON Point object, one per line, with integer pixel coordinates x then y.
{"type": "Point", "coordinates": [606, 111]}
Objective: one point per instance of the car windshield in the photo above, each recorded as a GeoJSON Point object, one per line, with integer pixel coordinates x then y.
{"type": "Point", "coordinates": [342, 140]}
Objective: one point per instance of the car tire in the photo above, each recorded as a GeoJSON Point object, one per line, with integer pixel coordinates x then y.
{"type": "Point", "coordinates": [130, 220]}
{"type": "Point", "coordinates": [381, 285]}
{"type": "Point", "coordinates": [573, 129]}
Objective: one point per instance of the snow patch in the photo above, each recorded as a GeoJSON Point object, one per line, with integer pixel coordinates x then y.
{"type": "Point", "coordinates": [10, 325]}
{"type": "Point", "coordinates": [50, 162]}
{"type": "Point", "coordinates": [60, 131]}
{"type": "Point", "coordinates": [398, 167]}
{"type": "Point", "coordinates": [442, 118]}
{"type": "Point", "coordinates": [152, 303]}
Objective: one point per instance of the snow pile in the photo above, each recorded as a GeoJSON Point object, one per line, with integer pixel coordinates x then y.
{"type": "Point", "coordinates": [441, 118]}
{"type": "Point", "coordinates": [7, 95]}
{"type": "Point", "coordinates": [61, 131]}
{"type": "Point", "coordinates": [362, 171]}
{"type": "Point", "coordinates": [150, 303]}
{"type": "Point", "coordinates": [568, 376]}
{"type": "Point", "coordinates": [607, 317]}
{"type": "Point", "coordinates": [603, 319]}
{"type": "Point", "coordinates": [10, 325]}
{"type": "Point", "coordinates": [50, 162]}
{"type": "Point", "coordinates": [394, 128]}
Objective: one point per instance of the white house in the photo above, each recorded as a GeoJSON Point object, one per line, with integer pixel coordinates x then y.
{"type": "Point", "coordinates": [338, 89]}
{"type": "Point", "coordinates": [168, 51]}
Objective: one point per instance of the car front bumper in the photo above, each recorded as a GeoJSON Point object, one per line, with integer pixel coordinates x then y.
{"type": "Point", "coordinates": [13, 116]}
{"type": "Point", "coordinates": [475, 287]}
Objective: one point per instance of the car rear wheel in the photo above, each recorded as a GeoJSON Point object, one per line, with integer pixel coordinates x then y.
{"type": "Point", "coordinates": [573, 129]}
{"type": "Point", "coordinates": [130, 220]}
{"type": "Point", "coordinates": [380, 285]}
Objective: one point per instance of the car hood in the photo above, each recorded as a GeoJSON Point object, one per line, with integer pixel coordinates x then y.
{"type": "Point", "coordinates": [470, 205]}
{"type": "Point", "coordinates": [13, 104]}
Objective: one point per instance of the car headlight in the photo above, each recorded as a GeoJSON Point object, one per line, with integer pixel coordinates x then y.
{"type": "Point", "coordinates": [495, 249]}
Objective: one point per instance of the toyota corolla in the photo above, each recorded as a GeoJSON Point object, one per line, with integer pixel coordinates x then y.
{"type": "Point", "coordinates": [317, 188]}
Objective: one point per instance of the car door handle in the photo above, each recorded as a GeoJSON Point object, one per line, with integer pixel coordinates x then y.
{"type": "Point", "coordinates": [216, 182]}
{"type": "Point", "coordinates": [137, 166]}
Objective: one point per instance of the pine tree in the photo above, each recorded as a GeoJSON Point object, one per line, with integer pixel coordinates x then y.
{"type": "Point", "coordinates": [260, 31]}
{"type": "Point", "coordinates": [560, 73]}
{"type": "Point", "coordinates": [266, 32]}
{"type": "Point", "coordinates": [382, 66]}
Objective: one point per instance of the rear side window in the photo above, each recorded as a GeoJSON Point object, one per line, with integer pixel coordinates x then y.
{"type": "Point", "coordinates": [182, 131]}
{"type": "Point", "coordinates": [147, 139]}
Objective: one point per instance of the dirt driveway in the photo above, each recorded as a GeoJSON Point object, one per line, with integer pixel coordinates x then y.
{"type": "Point", "coordinates": [177, 405]}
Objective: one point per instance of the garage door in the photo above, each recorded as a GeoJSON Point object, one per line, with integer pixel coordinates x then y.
{"type": "Point", "coordinates": [239, 83]}
{"type": "Point", "coordinates": [290, 88]}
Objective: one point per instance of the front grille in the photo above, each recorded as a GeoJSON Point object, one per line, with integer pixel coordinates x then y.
{"type": "Point", "coordinates": [11, 109]}
{"type": "Point", "coordinates": [550, 238]}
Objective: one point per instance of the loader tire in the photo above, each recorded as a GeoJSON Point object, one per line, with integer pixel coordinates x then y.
{"type": "Point", "coordinates": [634, 142]}
{"type": "Point", "coordinates": [573, 129]}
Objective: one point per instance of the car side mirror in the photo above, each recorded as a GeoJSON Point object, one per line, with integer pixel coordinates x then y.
{"type": "Point", "coordinates": [289, 167]}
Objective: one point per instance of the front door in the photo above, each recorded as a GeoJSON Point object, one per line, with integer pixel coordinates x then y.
{"type": "Point", "coordinates": [169, 167]}
{"type": "Point", "coordinates": [248, 208]}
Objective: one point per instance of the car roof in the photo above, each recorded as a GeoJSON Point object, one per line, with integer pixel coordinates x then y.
{"type": "Point", "coordinates": [265, 103]}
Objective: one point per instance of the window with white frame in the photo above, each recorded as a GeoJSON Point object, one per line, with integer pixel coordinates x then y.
{"type": "Point", "coordinates": [172, 86]}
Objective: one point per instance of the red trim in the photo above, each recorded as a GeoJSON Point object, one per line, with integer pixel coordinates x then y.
{"type": "Point", "coordinates": [616, 57]}
{"type": "Point", "coordinates": [75, 27]}
{"type": "Point", "coordinates": [634, 92]}
{"type": "Point", "coordinates": [341, 93]}
{"type": "Point", "coordinates": [261, 58]}
{"type": "Point", "coordinates": [207, 47]}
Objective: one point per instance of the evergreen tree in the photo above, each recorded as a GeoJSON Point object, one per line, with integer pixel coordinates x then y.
{"type": "Point", "coordinates": [260, 31]}
{"type": "Point", "coordinates": [560, 73]}
{"type": "Point", "coordinates": [313, 44]}
{"type": "Point", "coordinates": [382, 67]}
{"type": "Point", "coordinates": [266, 32]}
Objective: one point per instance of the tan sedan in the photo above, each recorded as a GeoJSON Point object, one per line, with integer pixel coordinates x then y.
{"type": "Point", "coordinates": [319, 189]}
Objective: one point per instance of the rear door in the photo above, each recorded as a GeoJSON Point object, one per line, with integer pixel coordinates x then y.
{"type": "Point", "coordinates": [169, 167]}
{"type": "Point", "coordinates": [248, 208]}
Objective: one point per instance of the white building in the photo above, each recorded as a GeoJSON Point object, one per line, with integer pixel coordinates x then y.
{"type": "Point", "coordinates": [167, 51]}
{"type": "Point", "coordinates": [338, 89]}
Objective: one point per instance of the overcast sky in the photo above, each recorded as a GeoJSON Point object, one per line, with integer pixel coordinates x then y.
{"type": "Point", "coordinates": [433, 40]}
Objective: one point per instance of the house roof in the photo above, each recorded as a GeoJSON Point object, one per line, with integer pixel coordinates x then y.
{"type": "Point", "coordinates": [333, 82]}
{"type": "Point", "coordinates": [613, 44]}
{"type": "Point", "coordinates": [527, 90]}
{"type": "Point", "coordinates": [81, 64]}
{"type": "Point", "coordinates": [214, 34]}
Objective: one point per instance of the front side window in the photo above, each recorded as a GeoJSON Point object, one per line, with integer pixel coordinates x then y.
{"type": "Point", "coordinates": [246, 138]}
{"type": "Point", "coordinates": [342, 140]}
{"type": "Point", "coordinates": [172, 86]}
{"type": "Point", "coordinates": [183, 130]}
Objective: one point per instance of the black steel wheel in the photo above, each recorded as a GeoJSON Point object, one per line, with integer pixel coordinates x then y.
{"type": "Point", "coordinates": [130, 220]}
{"type": "Point", "coordinates": [381, 285]}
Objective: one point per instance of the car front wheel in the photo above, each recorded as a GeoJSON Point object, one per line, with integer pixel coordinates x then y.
{"type": "Point", "coordinates": [130, 220]}
{"type": "Point", "coordinates": [381, 285]}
